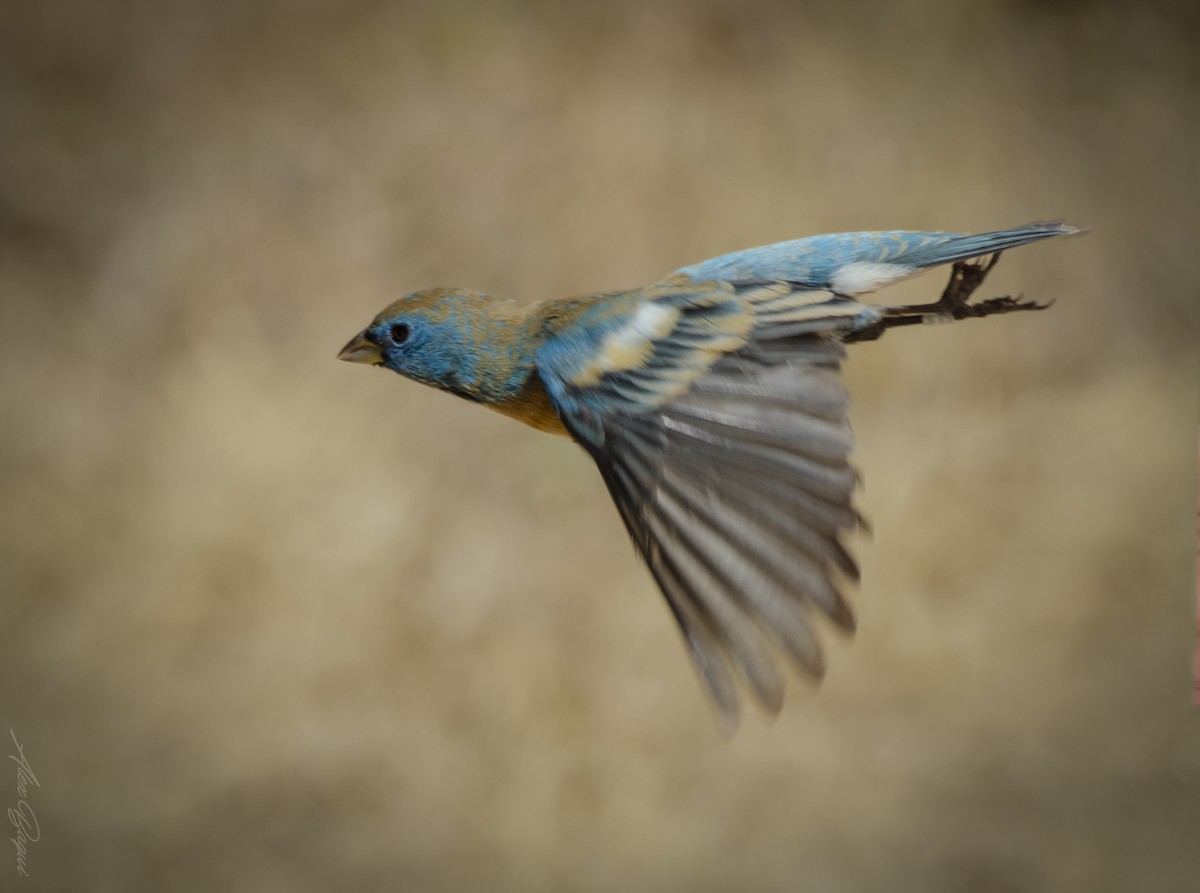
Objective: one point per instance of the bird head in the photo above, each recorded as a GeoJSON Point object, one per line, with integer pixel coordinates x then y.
{"type": "Point", "coordinates": [460, 341]}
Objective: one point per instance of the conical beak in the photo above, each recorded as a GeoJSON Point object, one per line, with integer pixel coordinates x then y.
{"type": "Point", "coordinates": [361, 349]}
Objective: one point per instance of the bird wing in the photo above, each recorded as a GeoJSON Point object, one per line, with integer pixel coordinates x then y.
{"type": "Point", "coordinates": [718, 421]}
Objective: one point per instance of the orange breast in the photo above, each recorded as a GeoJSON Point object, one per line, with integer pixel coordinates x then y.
{"type": "Point", "coordinates": [533, 407]}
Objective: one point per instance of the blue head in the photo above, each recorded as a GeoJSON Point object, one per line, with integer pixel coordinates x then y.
{"type": "Point", "coordinates": [465, 342]}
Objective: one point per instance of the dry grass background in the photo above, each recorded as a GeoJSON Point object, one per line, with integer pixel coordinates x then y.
{"type": "Point", "coordinates": [275, 623]}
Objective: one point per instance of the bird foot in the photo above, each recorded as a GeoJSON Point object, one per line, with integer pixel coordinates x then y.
{"type": "Point", "coordinates": [965, 279]}
{"type": "Point", "coordinates": [993, 306]}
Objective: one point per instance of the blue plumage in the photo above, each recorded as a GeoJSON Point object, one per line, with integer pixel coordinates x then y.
{"type": "Point", "coordinates": [712, 406]}
{"type": "Point", "coordinates": [817, 260]}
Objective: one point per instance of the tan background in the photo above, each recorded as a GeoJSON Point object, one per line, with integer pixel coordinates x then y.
{"type": "Point", "coordinates": [275, 623]}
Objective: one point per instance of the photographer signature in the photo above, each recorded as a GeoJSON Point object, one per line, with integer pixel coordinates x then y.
{"type": "Point", "coordinates": [21, 816]}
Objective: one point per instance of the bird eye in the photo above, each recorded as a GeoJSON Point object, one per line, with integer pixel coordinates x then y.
{"type": "Point", "coordinates": [398, 333]}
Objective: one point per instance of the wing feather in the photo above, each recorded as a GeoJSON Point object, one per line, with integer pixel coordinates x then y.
{"type": "Point", "coordinates": [725, 449]}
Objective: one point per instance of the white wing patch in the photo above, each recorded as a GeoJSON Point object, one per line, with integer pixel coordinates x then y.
{"type": "Point", "coordinates": [864, 276]}
{"type": "Point", "coordinates": [651, 321]}
{"type": "Point", "coordinates": [629, 346]}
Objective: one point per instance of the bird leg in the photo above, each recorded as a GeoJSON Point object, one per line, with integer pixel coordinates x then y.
{"type": "Point", "coordinates": [965, 278]}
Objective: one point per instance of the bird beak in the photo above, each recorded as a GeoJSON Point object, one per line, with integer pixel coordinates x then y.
{"type": "Point", "coordinates": [361, 349]}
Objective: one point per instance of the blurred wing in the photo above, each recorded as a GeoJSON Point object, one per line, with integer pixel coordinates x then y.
{"type": "Point", "coordinates": [718, 422]}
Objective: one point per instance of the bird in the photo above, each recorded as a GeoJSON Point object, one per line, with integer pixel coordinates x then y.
{"type": "Point", "coordinates": [712, 406]}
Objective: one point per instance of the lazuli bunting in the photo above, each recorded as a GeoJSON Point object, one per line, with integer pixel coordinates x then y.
{"type": "Point", "coordinates": [712, 406]}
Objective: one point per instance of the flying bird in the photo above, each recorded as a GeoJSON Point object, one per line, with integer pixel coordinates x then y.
{"type": "Point", "coordinates": [711, 403]}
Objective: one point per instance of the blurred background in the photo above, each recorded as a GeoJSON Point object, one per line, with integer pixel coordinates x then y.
{"type": "Point", "coordinates": [271, 622]}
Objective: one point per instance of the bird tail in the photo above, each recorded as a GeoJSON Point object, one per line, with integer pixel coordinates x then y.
{"type": "Point", "coordinates": [855, 263]}
{"type": "Point", "coordinates": [958, 248]}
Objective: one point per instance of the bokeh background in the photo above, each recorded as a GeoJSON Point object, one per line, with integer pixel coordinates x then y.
{"type": "Point", "coordinates": [275, 623]}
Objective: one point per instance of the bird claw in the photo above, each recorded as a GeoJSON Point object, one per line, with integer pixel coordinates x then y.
{"type": "Point", "coordinates": [954, 303]}
{"type": "Point", "coordinates": [965, 278]}
{"type": "Point", "coordinates": [993, 306]}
